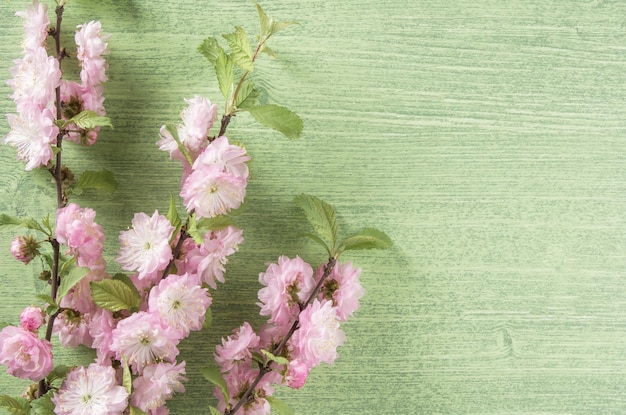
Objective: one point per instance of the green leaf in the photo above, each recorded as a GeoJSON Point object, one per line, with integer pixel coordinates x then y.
{"type": "Point", "coordinates": [46, 223]}
{"type": "Point", "coordinates": [320, 215]}
{"type": "Point", "coordinates": [127, 379]}
{"type": "Point", "coordinates": [43, 405]}
{"type": "Point", "coordinates": [16, 406]}
{"type": "Point", "coordinates": [319, 240]}
{"type": "Point", "coordinates": [126, 280]}
{"type": "Point", "coordinates": [31, 223]}
{"type": "Point", "coordinates": [247, 96]}
{"type": "Point", "coordinates": [266, 49]}
{"type": "Point", "coordinates": [208, 319]}
{"type": "Point", "coordinates": [58, 373]}
{"type": "Point", "coordinates": [264, 20]}
{"type": "Point", "coordinates": [193, 231]}
{"type": "Point", "coordinates": [136, 411]}
{"type": "Point", "coordinates": [279, 118]}
{"type": "Point", "coordinates": [210, 49]}
{"type": "Point", "coordinates": [224, 72]}
{"type": "Point", "coordinates": [102, 180]}
{"type": "Point", "coordinates": [71, 279]}
{"type": "Point", "coordinates": [240, 50]}
{"type": "Point", "coordinates": [172, 213]}
{"type": "Point", "coordinates": [213, 375]}
{"type": "Point", "coordinates": [368, 238]}
{"type": "Point", "coordinates": [214, 411]}
{"type": "Point", "coordinates": [88, 119]}
{"type": "Point", "coordinates": [6, 220]}
{"type": "Point", "coordinates": [278, 359]}
{"type": "Point", "coordinates": [213, 224]}
{"type": "Point", "coordinates": [114, 295]}
{"type": "Point", "coordinates": [174, 133]}
{"type": "Point", "coordinates": [46, 298]}
{"type": "Point", "coordinates": [278, 26]}
{"type": "Point", "coordinates": [278, 406]}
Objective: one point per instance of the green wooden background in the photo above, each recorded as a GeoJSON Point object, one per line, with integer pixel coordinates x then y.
{"type": "Point", "coordinates": [488, 138]}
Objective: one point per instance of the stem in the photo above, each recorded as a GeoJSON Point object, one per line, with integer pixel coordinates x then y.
{"type": "Point", "coordinates": [328, 268]}
{"type": "Point", "coordinates": [175, 252]}
{"type": "Point", "coordinates": [61, 199]}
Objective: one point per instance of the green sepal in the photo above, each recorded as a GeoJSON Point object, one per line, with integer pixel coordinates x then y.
{"type": "Point", "coordinates": [247, 96]}
{"type": "Point", "coordinates": [240, 49]}
{"type": "Point", "coordinates": [88, 119]}
{"type": "Point", "coordinates": [279, 118]}
{"type": "Point", "coordinates": [224, 72]}
{"type": "Point", "coordinates": [213, 375]}
{"type": "Point", "coordinates": [320, 215]}
{"type": "Point", "coordinates": [367, 238]}
{"type": "Point", "coordinates": [114, 295]}
{"type": "Point", "coordinates": [16, 406]}
{"type": "Point", "coordinates": [279, 406]}
{"type": "Point", "coordinates": [210, 48]}
{"type": "Point", "coordinates": [271, 358]}
{"type": "Point", "coordinates": [101, 180]}
{"type": "Point", "coordinates": [71, 279]}
{"type": "Point", "coordinates": [43, 405]}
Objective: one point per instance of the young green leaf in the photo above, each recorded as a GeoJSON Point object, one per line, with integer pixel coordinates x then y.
{"type": "Point", "coordinates": [102, 180]}
{"type": "Point", "coordinates": [114, 295]}
{"type": "Point", "coordinates": [319, 240]}
{"type": "Point", "coordinates": [279, 118]}
{"type": "Point", "coordinates": [127, 379]}
{"type": "Point", "coordinates": [6, 220]}
{"type": "Point", "coordinates": [58, 373]}
{"type": "Point", "coordinates": [278, 26]}
{"type": "Point", "coordinates": [210, 49]}
{"type": "Point", "coordinates": [268, 51]}
{"type": "Point", "coordinates": [126, 280]}
{"type": "Point", "coordinates": [213, 375]}
{"type": "Point", "coordinates": [43, 405]}
{"type": "Point", "coordinates": [16, 406]}
{"type": "Point", "coordinates": [213, 224]}
{"type": "Point", "coordinates": [88, 119]}
{"type": "Point", "coordinates": [174, 133]}
{"type": "Point", "coordinates": [213, 410]}
{"type": "Point", "coordinates": [193, 231]}
{"type": "Point", "coordinates": [172, 213]}
{"type": "Point", "coordinates": [278, 406]}
{"type": "Point", "coordinates": [224, 72]}
{"type": "Point", "coordinates": [320, 215]}
{"type": "Point", "coordinates": [46, 298]}
{"type": "Point", "coordinates": [208, 319]}
{"type": "Point", "coordinates": [264, 20]}
{"type": "Point", "coordinates": [271, 358]}
{"type": "Point", "coordinates": [30, 223]}
{"type": "Point", "coordinates": [368, 238]}
{"type": "Point", "coordinates": [240, 50]}
{"type": "Point", "coordinates": [71, 279]}
{"type": "Point", "coordinates": [247, 96]}
{"type": "Point", "coordinates": [136, 411]}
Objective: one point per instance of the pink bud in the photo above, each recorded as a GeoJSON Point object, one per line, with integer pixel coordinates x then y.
{"type": "Point", "coordinates": [31, 318]}
{"type": "Point", "coordinates": [297, 373]}
{"type": "Point", "coordinates": [24, 248]}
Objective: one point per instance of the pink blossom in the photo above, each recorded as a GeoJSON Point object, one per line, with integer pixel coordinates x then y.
{"type": "Point", "coordinates": [72, 329]}
{"type": "Point", "coordinates": [236, 347]}
{"type": "Point", "coordinates": [90, 391]}
{"type": "Point", "coordinates": [24, 248]}
{"type": "Point", "coordinates": [297, 373]}
{"type": "Point", "coordinates": [91, 45]}
{"type": "Point", "coordinates": [143, 339]}
{"type": "Point", "coordinates": [31, 318]}
{"type": "Point", "coordinates": [237, 381]}
{"type": "Point", "coordinates": [229, 157]}
{"type": "Point", "coordinates": [79, 298]}
{"type": "Point", "coordinates": [36, 24]}
{"type": "Point", "coordinates": [101, 326]}
{"type": "Point", "coordinates": [180, 303]}
{"type": "Point", "coordinates": [76, 229]}
{"type": "Point", "coordinates": [77, 98]}
{"type": "Point", "coordinates": [287, 284]}
{"type": "Point", "coordinates": [145, 248]}
{"type": "Point", "coordinates": [318, 336]}
{"type": "Point", "coordinates": [25, 355]}
{"type": "Point", "coordinates": [35, 78]}
{"type": "Point", "coordinates": [33, 132]}
{"type": "Point", "coordinates": [157, 384]}
{"type": "Point", "coordinates": [212, 192]}
{"type": "Point", "coordinates": [343, 288]}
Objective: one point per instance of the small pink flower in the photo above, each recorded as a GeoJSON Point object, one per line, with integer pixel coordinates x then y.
{"type": "Point", "coordinates": [237, 381]}
{"type": "Point", "coordinates": [318, 336]}
{"type": "Point", "coordinates": [25, 355]}
{"type": "Point", "coordinates": [287, 284]}
{"type": "Point", "coordinates": [33, 132]}
{"type": "Point", "coordinates": [343, 288]}
{"type": "Point", "coordinates": [297, 373]}
{"type": "Point", "coordinates": [73, 330]}
{"type": "Point", "coordinates": [32, 318]}
{"type": "Point", "coordinates": [236, 347]}
{"type": "Point", "coordinates": [91, 45]}
{"type": "Point", "coordinates": [35, 78]}
{"type": "Point", "coordinates": [157, 384]}
{"type": "Point", "coordinates": [24, 248]}
{"type": "Point", "coordinates": [76, 229]}
{"type": "Point", "coordinates": [101, 326]}
{"type": "Point", "coordinates": [36, 24]}
{"type": "Point", "coordinates": [229, 157]}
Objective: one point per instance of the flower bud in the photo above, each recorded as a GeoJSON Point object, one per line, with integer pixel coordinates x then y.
{"type": "Point", "coordinates": [24, 248]}
{"type": "Point", "coordinates": [31, 318]}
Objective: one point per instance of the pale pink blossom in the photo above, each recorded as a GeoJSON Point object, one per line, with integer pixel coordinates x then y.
{"type": "Point", "coordinates": [211, 192]}
{"type": "Point", "coordinates": [31, 318]}
{"type": "Point", "coordinates": [33, 132]}
{"type": "Point", "coordinates": [180, 303]}
{"type": "Point", "coordinates": [24, 248]}
{"type": "Point", "coordinates": [91, 45]}
{"type": "Point", "coordinates": [101, 326]}
{"type": "Point", "coordinates": [90, 391]}
{"type": "Point", "coordinates": [72, 329]}
{"type": "Point", "coordinates": [157, 384]}
{"type": "Point", "coordinates": [25, 355]}
{"type": "Point", "coordinates": [143, 339]}
{"type": "Point", "coordinates": [237, 381]}
{"type": "Point", "coordinates": [145, 248]}
{"type": "Point", "coordinates": [77, 98]}
{"type": "Point", "coordinates": [236, 347]}
{"type": "Point", "coordinates": [36, 24]}
{"type": "Point", "coordinates": [77, 230]}
{"type": "Point", "coordinates": [229, 157]}
{"type": "Point", "coordinates": [35, 78]}
{"type": "Point", "coordinates": [319, 334]}
{"type": "Point", "coordinates": [343, 288]}
{"type": "Point", "coordinates": [287, 284]}
{"type": "Point", "coordinates": [297, 373]}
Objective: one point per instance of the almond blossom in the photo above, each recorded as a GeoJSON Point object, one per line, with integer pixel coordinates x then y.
{"type": "Point", "coordinates": [33, 132]}
{"type": "Point", "coordinates": [157, 384]}
{"type": "Point", "coordinates": [25, 355]}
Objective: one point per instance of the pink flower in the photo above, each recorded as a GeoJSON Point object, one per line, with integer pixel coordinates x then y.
{"type": "Point", "coordinates": [229, 157]}
{"type": "Point", "coordinates": [343, 288]}
{"type": "Point", "coordinates": [180, 303]}
{"type": "Point", "coordinates": [33, 132]}
{"type": "Point", "coordinates": [157, 384]}
{"type": "Point", "coordinates": [237, 381]}
{"type": "Point", "coordinates": [24, 248]}
{"type": "Point", "coordinates": [72, 329]}
{"type": "Point", "coordinates": [79, 298]}
{"type": "Point", "coordinates": [297, 373]}
{"type": "Point", "coordinates": [211, 192]}
{"type": "Point", "coordinates": [319, 334]}
{"type": "Point", "coordinates": [146, 247]}
{"type": "Point", "coordinates": [77, 98]}
{"type": "Point", "coordinates": [143, 339]}
{"type": "Point", "coordinates": [35, 78]}
{"type": "Point", "coordinates": [101, 326]}
{"type": "Point", "coordinates": [287, 284]}
{"type": "Point", "coordinates": [76, 229]}
{"type": "Point", "coordinates": [90, 391]}
{"type": "Point", "coordinates": [91, 45]}
{"type": "Point", "coordinates": [236, 347]}
{"type": "Point", "coordinates": [25, 355]}
{"type": "Point", "coordinates": [32, 318]}
{"type": "Point", "coordinates": [36, 24]}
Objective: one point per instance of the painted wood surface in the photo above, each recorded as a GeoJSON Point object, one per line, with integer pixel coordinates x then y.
{"type": "Point", "coordinates": [488, 138]}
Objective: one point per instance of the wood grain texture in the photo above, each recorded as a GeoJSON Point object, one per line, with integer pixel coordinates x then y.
{"type": "Point", "coordinates": [486, 137]}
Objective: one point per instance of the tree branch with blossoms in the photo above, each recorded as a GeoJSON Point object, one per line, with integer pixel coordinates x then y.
{"type": "Point", "coordinates": [136, 319]}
